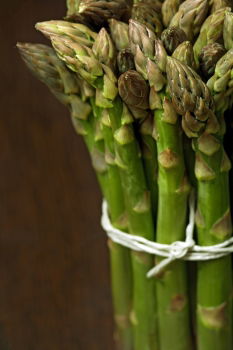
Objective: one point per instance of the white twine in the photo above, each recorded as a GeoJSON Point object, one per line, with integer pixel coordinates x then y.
{"type": "Point", "coordinates": [179, 250]}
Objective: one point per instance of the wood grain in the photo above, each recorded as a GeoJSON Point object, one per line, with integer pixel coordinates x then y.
{"type": "Point", "coordinates": [54, 289]}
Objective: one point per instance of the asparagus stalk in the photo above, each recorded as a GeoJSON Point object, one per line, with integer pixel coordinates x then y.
{"type": "Point", "coordinates": [172, 300]}
{"type": "Point", "coordinates": [134, 91]}
{"type": "Point", "coordinates": [120, 258]}
{"type": "Point", "coordinates": [133, 181]}
{"type": "Point", "coordinates": [47, 67]}
{"type": "Point", "coordinates": [135, 94]}
{"type": "Point", "coordinates": [140, 223]}
{"type": "Point", "coordinates": [213, 212]}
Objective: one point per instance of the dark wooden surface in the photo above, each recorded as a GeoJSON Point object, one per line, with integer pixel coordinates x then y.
{"type": "Point", "coordinates": [54, 278]}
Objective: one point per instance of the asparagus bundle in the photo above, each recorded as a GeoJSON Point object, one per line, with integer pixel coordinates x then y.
{"type": "Point", "coordinates": [150, 88]}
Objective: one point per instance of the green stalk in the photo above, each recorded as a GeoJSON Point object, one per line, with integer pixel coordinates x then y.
{"type": "Point", "coordinates": [172, 292]}
{"type": "Point", "coordinates": [173, 312]}
{"type": "Point", "coordinates": [214, 289]}
{"type": "Point", "coordinates": [213, 221]}
{"type": "Point", "coordinates": [121, 271]}
{"type": "Point", "coordinates": [140, 223]}
{"type": "Point", "coordinates": [134, 91]}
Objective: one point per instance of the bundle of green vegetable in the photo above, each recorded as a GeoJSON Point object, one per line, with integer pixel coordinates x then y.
{"type": "Point", "coordinates": [150, 88]}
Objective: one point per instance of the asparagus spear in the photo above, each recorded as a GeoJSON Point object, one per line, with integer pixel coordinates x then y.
{"type": "Point", "coordinates": [99, 11]}
{"type": "Point", "coordinates": [134, 91]}
{"type": "Point", "coordinates": [104, 50]}
{"type": "Point", "coordinates": [131, 97]}
{"type": "Point", "coordinates": [221, 84]}
{"type": "Point", "coordinates": [130, 165]}
{"type": "Point", "coordinates": [73, 31]}
{"type": "Point", "coordinates": [43, 61]}
{"type": "Point", "coordinates": [169, 9]}
{"type": "Point", "coordinates": [121, 273]}
{"type": "Point", "coordinates": [190, 16]}
{"type": "Point", "coordinates": [120, 36]}
{"type": "Point", "coordinates": [172, 37]}
{"type": "Point", "coordinates": [209, 56]}
{"type": "Point", "coordinates": [125, 61]}
{"type": "Point", "coordinates": [211, 31]}
{"type": "Point", "coordinates": [173, 313]}
{"type": "Point", "coordinates": [213, 213]}
{"type": "Point", "coordinates": [184, 53]}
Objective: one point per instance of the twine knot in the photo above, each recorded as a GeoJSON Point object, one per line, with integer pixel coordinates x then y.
{"type": "Point", "coordinates": [179, 249]}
